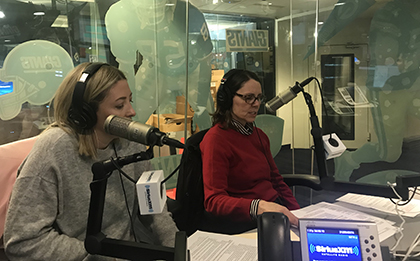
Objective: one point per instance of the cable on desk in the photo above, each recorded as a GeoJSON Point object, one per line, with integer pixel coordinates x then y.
{"type": "Point", "coordinates": [406, 202]}
{"type": "Point", "coordinates": [400, 228]}
{"type": "Point", "coordinates": [403, 255]}
{"type": "Point", "coordinates": [416, 240]}
{"type": "Point", "coordinates": [413, 245]}
{"type": "Point", "coordinates": [414, 190]}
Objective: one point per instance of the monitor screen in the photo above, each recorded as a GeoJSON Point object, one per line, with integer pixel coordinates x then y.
{"type": "Point", "coordinates": [333, 244]}
{"type": "Point", "coordinates": [5, 87]}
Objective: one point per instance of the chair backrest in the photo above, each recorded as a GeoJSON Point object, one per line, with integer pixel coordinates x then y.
{"type": "Point", "coordinates": [188, 208]}
{"type": "Point", "coordinates": [189, 188]}
{"type": "Point", "coordinates": [167, 164]}
{"type": "Point", "coordinates": [273, 127]}
{"type": "Point", "coordinates": [11, 156]}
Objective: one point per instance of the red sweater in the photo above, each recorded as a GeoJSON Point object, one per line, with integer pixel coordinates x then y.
{"type": "Point", "coordinates": [235, 171]}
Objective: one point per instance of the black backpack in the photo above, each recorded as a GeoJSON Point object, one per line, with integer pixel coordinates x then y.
{"type": "Point", "coordinates": [189, 209]}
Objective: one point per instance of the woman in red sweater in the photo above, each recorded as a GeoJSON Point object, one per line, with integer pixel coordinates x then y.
{"type": "Point", "coordinates": [240, 177]}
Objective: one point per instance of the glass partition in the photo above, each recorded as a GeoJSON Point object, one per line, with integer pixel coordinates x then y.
{"type": "Point", "coordinates": [363, 53]}
{"type": "Point", "coordinates": [337, 72]}
{"type": "Point", "coordinates": [243, 42]}
{"type": "Point", "coordinates": [39, 44]}
{"type": "Point", "coordinates": [174, 53]}
{"type": "Point", "coordinates": [36, 52]}
{"type": "Point", "coordinates": [390, 91]}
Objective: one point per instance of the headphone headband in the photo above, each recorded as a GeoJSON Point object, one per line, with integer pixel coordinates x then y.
{"type": "Point", "coordinates": [81, 115]}
{"type": "Point", "coordinates": [224, 94]}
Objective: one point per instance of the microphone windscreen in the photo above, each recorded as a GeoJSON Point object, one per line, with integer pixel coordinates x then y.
{"type": "Point", "coordinates": [117, 126]}
{"type": "Point", "coordinates": [128, 129]}
{"type": "Point", "coordinates": [273, 104]}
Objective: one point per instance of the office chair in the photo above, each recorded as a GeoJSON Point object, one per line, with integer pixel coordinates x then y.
{"type": "Point", "coordinates": [273, 127]}
{"type": "Point", "coordinates": [188, 207]}
{"type": "Point", "coordinates": [11, 155]}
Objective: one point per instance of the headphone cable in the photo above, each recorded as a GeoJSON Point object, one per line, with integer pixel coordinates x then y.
{"type": "Point", "coordinates": [121, 172]}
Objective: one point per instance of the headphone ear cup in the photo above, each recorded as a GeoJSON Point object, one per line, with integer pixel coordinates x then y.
{"type": "Point", "coordinates": [224, 97]}
{"type": "Point", "coordinates": [83, 119]}
{"type": "Point", "coordinates": [82, 116]}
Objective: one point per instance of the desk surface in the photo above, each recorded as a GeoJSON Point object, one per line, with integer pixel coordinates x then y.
{"type": "Point", "coordinates": [410, 229]}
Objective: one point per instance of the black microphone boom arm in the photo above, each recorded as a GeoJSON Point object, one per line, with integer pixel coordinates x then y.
{"type": "Point", "coordinates": [328, 182]}
{"type": "Point", "coordinates": [97, 243]}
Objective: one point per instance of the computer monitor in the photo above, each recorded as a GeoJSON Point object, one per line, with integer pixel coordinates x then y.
{"type": "Point", "coordinates": [6, 88]}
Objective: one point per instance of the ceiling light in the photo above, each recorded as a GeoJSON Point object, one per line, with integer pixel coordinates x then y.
{"type": "Point", "coordinates": [39, 13]}
{"type": "Point", "coordinates": [61, 21]}
{"type": "Point", "coordinates": [2, 14]}
{"type": "Point", "coordinates": [337, 4]}
{"type": "Point", "coordinates": [320, 22]}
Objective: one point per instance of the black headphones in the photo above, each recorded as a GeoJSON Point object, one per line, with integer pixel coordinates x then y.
{"type": "Point", "coordinates": [82, 116]}
{"type": "Point", "coordinates": [224, 97]}
{"type": "Point", "coordinates": [224, 94]}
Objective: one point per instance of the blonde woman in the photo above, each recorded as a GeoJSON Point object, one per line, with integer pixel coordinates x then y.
{"type": "Point", "coordinates": [49, 207]}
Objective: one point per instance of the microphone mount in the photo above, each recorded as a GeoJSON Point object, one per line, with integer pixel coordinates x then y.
{"type": "Point", "coordinates": [298, 87]}
{"type": "Point", "coordinates": [324, 180]}
{"type": "Point", "coordinates": [316, 133]}
{"type": "Point", "coordinates": [329, 183]}
{"type": "Point", "coordinates": [108, 166]}
{"type": "Point", "coordinates": [97, 243]}
{"type": "Point", "coordinates": [160, 138]}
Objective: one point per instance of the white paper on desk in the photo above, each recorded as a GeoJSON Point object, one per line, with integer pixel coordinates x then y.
{"type": "Point", "coordinates": [326, 210]}
{"type": "Point", "coordinates": [206, 246]}
{"type": "Point", "coordinates": [417, 195]}
{"type": "Point", "coordinates": [412, 209]}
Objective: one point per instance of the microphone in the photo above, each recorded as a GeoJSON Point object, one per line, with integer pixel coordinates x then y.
{"type": "Point", "coordinates": [286, 96]}
{"type": "Point", "coordinates": [138, 132]}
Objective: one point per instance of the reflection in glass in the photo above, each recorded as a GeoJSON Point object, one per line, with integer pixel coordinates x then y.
{"type": "Point", "coordinates": [393, 84]}
{"type": "Point", "coordinates": [171, 60]}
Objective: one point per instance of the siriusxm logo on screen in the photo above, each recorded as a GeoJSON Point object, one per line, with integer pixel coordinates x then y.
{"type": "Point", "coordinates": [149, 200]}
{"type": "Point", "coordinates": [334, 250]}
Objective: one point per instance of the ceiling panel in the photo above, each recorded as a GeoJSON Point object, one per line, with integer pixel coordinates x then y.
{"type": "Point", "coordinates": [277, 9]}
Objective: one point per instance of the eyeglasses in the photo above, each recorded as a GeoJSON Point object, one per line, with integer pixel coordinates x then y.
{"type": "Point", "coordinates": [251, 98]}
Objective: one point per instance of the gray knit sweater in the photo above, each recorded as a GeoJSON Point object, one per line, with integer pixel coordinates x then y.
{"type": "Point", "coordinates": [48, 211]}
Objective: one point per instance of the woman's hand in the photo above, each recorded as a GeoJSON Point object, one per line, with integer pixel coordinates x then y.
{"type": "Point", "coordinates": [265, 206]}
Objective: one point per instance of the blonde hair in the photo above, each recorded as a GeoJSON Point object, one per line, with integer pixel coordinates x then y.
{"type": "Point", "coordinates": [97, 88]}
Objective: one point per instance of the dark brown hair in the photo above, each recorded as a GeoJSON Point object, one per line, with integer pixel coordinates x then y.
{"type": "Point", "coordinates": [233, 80]}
